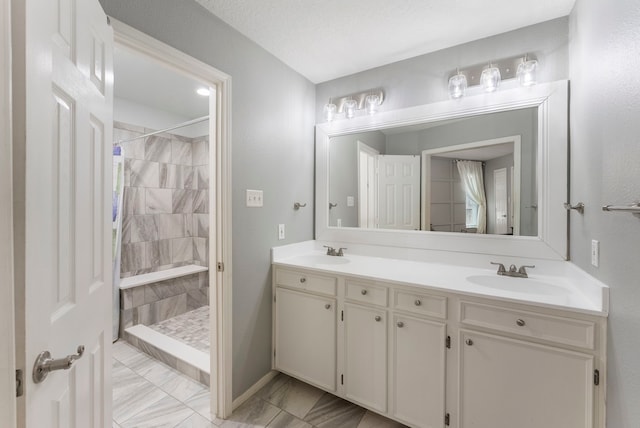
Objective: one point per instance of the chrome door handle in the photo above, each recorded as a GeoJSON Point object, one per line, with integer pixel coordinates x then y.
{"type": "Point", "coordinates": [45, 364]}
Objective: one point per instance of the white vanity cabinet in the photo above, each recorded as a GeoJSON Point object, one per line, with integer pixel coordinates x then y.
{"type": "Point", "coordinates": [432, 358]}
{"type": "Point", "coordinates": [305, 327]}
{"type": "Point", "coordinates": [525, 369]}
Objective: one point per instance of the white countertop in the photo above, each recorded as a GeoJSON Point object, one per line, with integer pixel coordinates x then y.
{"type": "Point", "coordinates": [558, 285]}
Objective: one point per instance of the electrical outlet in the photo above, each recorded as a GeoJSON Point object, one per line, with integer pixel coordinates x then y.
{"type": "Point", "coordinates": [280, 232]}
{"type": "Point", "coordinates": [254, 198]}
{"type": "Point", "coordinates": [595, 253]}
{"type": "Point", "coordinates": [350, 201]}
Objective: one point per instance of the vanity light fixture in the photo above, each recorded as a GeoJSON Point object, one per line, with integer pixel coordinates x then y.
{"type": "Point", "coordinates": [369, 100]}
{"type": "Point", "coordinates": [490, 78]}
{"type": "Point", "coordinates": [329, 111]}
{"type": "Point", "coordinates": [203, 92]}
{"type": "Point", "coordinates": [457, 85]}
{"type": "Point", "coordinates": [521, 67]}
{"type": "Point", "coordinates": [526, 73]}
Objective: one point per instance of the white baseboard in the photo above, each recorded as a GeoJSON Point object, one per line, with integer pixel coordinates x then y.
{"type": "Point", "coordinates": [254, 388]}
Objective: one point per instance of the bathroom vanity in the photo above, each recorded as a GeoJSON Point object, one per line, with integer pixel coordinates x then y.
{"type": "Point", "coordinates": [413, 322]}
{"type": "Point", "coordinates": [435, 345]}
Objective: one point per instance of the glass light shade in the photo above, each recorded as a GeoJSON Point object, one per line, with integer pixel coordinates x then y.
{"type": "Point", "coordinates": [526, 73]}
{"type": "Point", "coordinates": [490, 79]}
{"type": "Point", "coordinates": [350, 107]}
{"type": "Point", "coordinates": [457, 86]}
{"type": "Point", "coordinates": [329, 111]}
{"type": "Point", "coordinates": [372, 102]}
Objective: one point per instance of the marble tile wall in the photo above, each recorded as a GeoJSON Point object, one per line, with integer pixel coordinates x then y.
{"type": "Point", "coordinates": [165, 201]}
{"type": "Point", "coordinates": [152, 303]}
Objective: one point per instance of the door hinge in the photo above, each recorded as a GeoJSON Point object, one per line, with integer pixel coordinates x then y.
{"type": "Point", "coordinates": [19, 383]}
{"type": "Point", "coordinates": [341, 379]}
{"type": "Point", "coordinates": [274, 353]}
{"type": "Point", "coordinates": [274, 298]}
{"type": "Point", "coordinates": [596, 377]}
{"type": "Point", "coordinates": [220, 267]}
{"type": "Point", "coordinates": [341, 315]}
{"type": "Point", "coordinates": [448, 342]}
{"type": "Point", "coordinates": [447, 419]}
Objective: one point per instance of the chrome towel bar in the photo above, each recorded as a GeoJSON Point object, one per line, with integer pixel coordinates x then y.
{"type": "Point", "coordinates": [633, 208]}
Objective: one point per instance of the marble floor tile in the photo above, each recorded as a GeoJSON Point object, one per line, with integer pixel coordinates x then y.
{"type": "Point", "coordinates": [295, 397]}
{"type": "Point", "coordinates": [254, 412]}
{"type": "Point", "coordinates": [182, 388]}
{"type": "Point", "coordinates": [196, 421]}
{"type": "Point", "coordinates": [115, 425]}
{"type": "Point", "coordinates": [201, 403]}
{"type": "Point", "coordinates": [123, 352]}
{"type": "Point", "coordinates": [191, 328]}
{"type": "Point", "coordinates": [165, 413]}
{"type": "Point", "coordinates": [273, 385]}
{"type": "Point", "coordinates": [331, 411]}
{"type": "Point", "coordinates": [374, 420]}
{"type": "Point", "coordinates": [154, 371]}
{"type": "Point", "coordinates": [287, 420]}
{"type": "Point", "coordinates": [132, 398]}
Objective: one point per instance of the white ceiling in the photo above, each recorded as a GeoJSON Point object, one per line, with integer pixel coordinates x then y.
{"type": "Point", "coordinates": [327, 39]}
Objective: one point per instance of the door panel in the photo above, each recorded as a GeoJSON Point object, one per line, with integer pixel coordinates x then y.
{"type": "Point", "coordinates": [500, 194]}
{"type": "Point", "coordinates": [68, 280]}
{"type": "Point", "coordinates": [399, 192]}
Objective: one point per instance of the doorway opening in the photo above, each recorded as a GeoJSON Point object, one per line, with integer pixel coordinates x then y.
{"type": "Point", "coordinates": [171, 212]}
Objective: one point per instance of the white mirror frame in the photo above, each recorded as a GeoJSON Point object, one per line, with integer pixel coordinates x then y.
{"type": "Point", "coordinates": [551, 99]}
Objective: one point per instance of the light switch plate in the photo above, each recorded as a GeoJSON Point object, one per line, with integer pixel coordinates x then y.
{"type": "Point", "coordinates": [350, 201]}
{"type": "Point", "coordinates": [595, 253]}
{"type": "Point", "coordinates": [254, 198]}
{"type": "Point", "coordinates": [280, 232]}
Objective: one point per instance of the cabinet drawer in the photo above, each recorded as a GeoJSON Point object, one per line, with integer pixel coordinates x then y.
{"type": "Point", "coordinates": [366, 293]}
{"type": "Point", "coordinates": [304, 281]}
{"type": "Point", "coordinates": [546, 327]}
{"type": "Point", "coordinates": [420, 303]}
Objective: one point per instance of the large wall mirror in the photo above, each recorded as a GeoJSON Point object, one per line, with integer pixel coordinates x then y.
{"type": "Point", "coordinates": [483, 174]}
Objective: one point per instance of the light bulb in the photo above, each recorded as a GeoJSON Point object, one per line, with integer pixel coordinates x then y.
{"type": "Point", "coordinates": [372, 101]}
{"type": "Point", "coordinates": [329, 111]}
{"type": "Point", "coordinates": [490, 79]}
{"type": "Point", "coordinates": [526, 73]}
{"type": "Point", "coordinates": [203, 92]}
{"type": "Point", "coordinates": [457, 86]}
{"type": "Point", "coordinates": [350, 106]}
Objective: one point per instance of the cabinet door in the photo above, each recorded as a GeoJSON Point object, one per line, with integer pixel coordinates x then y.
{"type": "Point", "coordinates": [507, 383]}
{"type": "Point", "coordinates": [365, 336]}
{"type": "Point", "coordinates": [418, 366]}
{"type": "Point", "coordinates": [305, 337]}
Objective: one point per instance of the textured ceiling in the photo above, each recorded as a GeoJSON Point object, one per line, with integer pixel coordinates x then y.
{"type": "Point", "coordinates": [327, 39]}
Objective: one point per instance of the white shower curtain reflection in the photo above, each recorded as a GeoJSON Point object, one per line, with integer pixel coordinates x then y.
{"type": "Point", "coordinates": [472, 177]}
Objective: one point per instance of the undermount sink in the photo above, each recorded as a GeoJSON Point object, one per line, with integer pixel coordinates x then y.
{"type": "Point", "coordinates": [319, 259]}
{"type": "Point", "coordinates": [517, 285]}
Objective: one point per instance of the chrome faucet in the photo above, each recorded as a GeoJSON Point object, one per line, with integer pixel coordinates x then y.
{"type": "Point", "coordinates": [513, 271]}
{"type": "Point", "coordinates": [332, 251]}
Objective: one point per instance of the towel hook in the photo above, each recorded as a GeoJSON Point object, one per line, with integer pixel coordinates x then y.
{"type": "Point", "coordinates": [578, 207]}
{"type": "Point", "coordinates": [331, 205]}
{"type": "Point", "coordinates": [298, 205]}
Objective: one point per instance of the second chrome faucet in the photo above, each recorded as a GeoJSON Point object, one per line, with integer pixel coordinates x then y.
{"type": "Point", "coordinates": [513, 271]}
{"type": "Point", "coordinates": [333, 252]}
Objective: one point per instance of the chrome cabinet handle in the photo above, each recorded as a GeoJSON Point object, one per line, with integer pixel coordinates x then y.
{"type": "Point", "coordinates": [469, 342]}
{"type": "Point", "coordinates": [378, 318]}
{"type": "Point", "coordinates": [417, 302]}
{"type": "Point", "coordinates": [303, 280]}
{"type": "Point", "coordinates": [363, 292]}
{"type": "Point", "coordinates": [400, 324]}
{"type": "Point", "coordinates": [327, 306]}
{"type": "Point", "coordinates": [520, 322]}
{"type": "Point", "coordinates": [45, 364]}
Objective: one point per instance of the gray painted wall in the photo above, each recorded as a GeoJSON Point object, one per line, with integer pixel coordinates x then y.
{"type": "Point", "coordinates": [343, 173]}
{"type": "Point", "coordinates": [273, 150]}
{"type": "Point", "coordinates": [605, 158]}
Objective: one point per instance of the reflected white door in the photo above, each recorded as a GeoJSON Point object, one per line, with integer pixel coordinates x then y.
{"type": "Point", "coordinates": [500, 192]}
{"type": "Point", "coordinates": [399, 192]}
{"type": "Point", "coordinates": [69, 105]}
{"type": "Point", "coordinates": [367, 186]}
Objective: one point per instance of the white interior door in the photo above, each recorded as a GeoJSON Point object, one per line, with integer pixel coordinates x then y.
{"type": "Point", "coordinates": [69, 104]}
{"type": "Point", "coordinates": [500, 194]}
{"type": "Point", "coordinates": [399, 192]}
{"type": "Point", "coordinates": [367, 186]}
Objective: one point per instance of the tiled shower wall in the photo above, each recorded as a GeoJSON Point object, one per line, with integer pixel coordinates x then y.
{"type": "Point", "coordinates": [165, 219]}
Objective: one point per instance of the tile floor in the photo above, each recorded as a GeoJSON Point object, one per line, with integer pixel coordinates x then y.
{"type": "Point", "coordinates": [148, 393]}
{"type": "Point", "coordinates": [191, 328]}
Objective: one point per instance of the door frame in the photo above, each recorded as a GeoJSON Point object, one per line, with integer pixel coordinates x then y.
{"type": "Point", "coordinates": [7, 322]}
{"type": "Point", "coordinates": [220, 296]}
